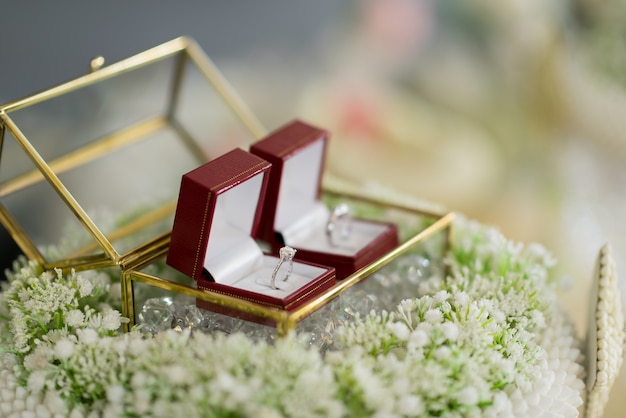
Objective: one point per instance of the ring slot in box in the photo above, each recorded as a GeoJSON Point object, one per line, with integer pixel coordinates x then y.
{"type": "Point", "coordinates": [217, 215]}
{"type": "Point", "coordinates": [294, 215]}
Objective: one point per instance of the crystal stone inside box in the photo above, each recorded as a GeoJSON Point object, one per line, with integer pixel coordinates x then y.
{"type": "Point", "coordinates": [212, 240]}
{"type": "Point", "coordinates": [294, 215]}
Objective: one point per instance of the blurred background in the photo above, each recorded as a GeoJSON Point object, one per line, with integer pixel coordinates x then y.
{"type": "Point", "coordinates": [512, 113]}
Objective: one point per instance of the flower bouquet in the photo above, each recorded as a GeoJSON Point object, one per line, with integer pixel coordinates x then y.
{"type": "Point", "coordinates": [488, 339]}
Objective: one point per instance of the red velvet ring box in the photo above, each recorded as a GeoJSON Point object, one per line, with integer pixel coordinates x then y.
{"type": "Point", "coordinates": [293, 213]}
{"type": "Point", "coordinates": [218, 212]}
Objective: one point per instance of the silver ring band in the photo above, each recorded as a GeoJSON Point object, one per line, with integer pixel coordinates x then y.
{"type": "Point", "coordinates": [286, 254]}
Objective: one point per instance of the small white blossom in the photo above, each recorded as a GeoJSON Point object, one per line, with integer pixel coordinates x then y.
{"type": "Point", "coordinates": [36, 381]}
{"type": "Point", "coordinates": [64, 349]}
{"type": "Point", "coordinates": [443, 353]}
{"type": "Point", "coordinates": [85, 287]}
{"type": "Point", "coordinates": [111, 320]}
{"type": "Point", "coordinates": [400, 330]}
{"type": "Point", "coordinates": [418, 338]}
{"type": "Point", "coordinates": [176, 373]}
{"type": "Point", "coordinates": [462, 299]}
{"type": "Point", "coordinates": [434, 316]}
{"type": "Point", "coordinates": [115, 394]}
{"type": "Point", "coordinates": [467, 396]}
{"type": "Point", "coordinates": [74, 318]}
{"type": "Point", "coordinates": [407, 305]}
{"type": "Point", "coordinates": [450, 330]}
{"type": "Point", "coordinates": [410, 405]}
{"type": "Point", "coordinates": [441, 296]}
{"type": "Point", "coordinates": [38, 358]}
{"type": "Point", "coordinates": [87, 336]}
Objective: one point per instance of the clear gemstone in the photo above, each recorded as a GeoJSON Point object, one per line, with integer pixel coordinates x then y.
{"type": "Point", "coordinates": [214, 323]}
{"type": "Point", "coordinates": [357, 302]}
{"type": "Point", "coordinates": [156, 316]}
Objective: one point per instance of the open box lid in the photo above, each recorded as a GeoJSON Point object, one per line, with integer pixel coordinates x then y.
{"type": "Point", "coordinates": [217, 214]}
{"type": "Point", "coordinates": [297, 152]}
{"type": "Point", "coordinates": [98, 160]}
{"type": "Point", "coordinates": [295, 216]}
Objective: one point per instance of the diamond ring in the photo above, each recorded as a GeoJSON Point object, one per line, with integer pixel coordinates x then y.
{"type": "Point", "coordinates": [339, 223]}
{"type": "Point", "coordinates": [286, 254]}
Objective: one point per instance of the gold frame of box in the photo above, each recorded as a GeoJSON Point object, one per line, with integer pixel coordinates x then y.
{"type": "Point", "coordinates": [286, 321]}
{"type": "Point", "coordinates": [132, 261]}
{"type": "Point", "coordinates": [183, 49]}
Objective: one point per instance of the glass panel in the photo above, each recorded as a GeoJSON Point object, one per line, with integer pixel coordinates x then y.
{"type": "Point", "coordinates": [202, 114]}
{"type": "Point", "coordinates": [158, 309]}
{"type": "Point", "coordinates": [384, 289]}
{"type": "Point", "coordinates": [37, 209]}
{"type": "Point", "coordinates": [74, 119]}
{"type": "Point", "coordinates": [120, 146]}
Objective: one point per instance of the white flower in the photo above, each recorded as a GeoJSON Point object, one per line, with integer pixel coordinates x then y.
{"type": "Point", "coordinates": [538, 318]}
{"type": "Point", "coordinates": [410, 405]}
{"type": "Point", "coordinates": [36, 381]}
{"type": "Point", "coordinates": [139, 380]}
{"type": "Point", "coordinates": [266, 413]}
{"type": "Point", "coordinates": [176, 373]}
{"type": "Point", "coordinates": [141, 401]}
{"type": "Point", "coordinates": [111, 320]}
{"type": "Point", "coordinates": [450, 330]}
{"type": "Point", "coordinates": [400, 330]}
{"type": "Point", "coordinates": [441, 296]}
{"type": "Point", "coordinates": [418, 338]}
{"type": "Point", "coordinates": [461, 299]}
{"type": "Point", "coordinates": [434, 316]}
{"type": "Point", "coordinates": [64, 349]}
{"type": "Point", "coordinates": [407, 305]}
{"type": "Point", "coordinates": [87, 336]}
{"type": "Point", "coordinates": [443, 352]}
{"type": "Point", "coordinates": [38, 358]}
{"type": "Point", "coordinates": [74, 318]}
{"type": "Point", "coordinates": [115, 394]}
{"type": "Point", "coordinates": [467, 396]}
{"type": "Point", "coordinates": [85, 287]}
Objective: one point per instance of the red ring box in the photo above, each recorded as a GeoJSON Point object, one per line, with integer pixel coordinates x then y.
{"type": "Point", "coordinates": [293, 213]}
{"type": "Point", "coordinates": [217, 215]}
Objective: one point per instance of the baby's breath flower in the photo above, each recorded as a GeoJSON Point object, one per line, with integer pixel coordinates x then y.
{"type": "Point", "coordinates": [111, 320]}
{"type": "Point", "coordinates": [488, 341]}
{"type": "Point", "coordinates": [85, 287]}
{"type": "Point", "coordinates": [467, 396]}
{"type": "Point", "coordinates": [63, 349]}
{"type": "Point", "coordinates": [74, 318]}
{"type": "Point", "coordinates": [87, 336]}
{"type": "Point", "coordinates": [450, 330]}
{"type": "Point", "coordinates": [36, 381]}
{"type": "Point", "coordinates": [434, 316]}
{"type": "Point", "coordinates": [400, 330]}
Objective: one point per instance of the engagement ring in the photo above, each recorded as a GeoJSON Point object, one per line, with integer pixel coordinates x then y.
{"type": "Point", "coordinates": [339, 224]}
{"type": "Point", "coordinates": [286, 254]}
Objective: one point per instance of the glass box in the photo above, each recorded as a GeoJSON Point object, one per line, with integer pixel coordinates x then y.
{"type": "Point", "coordinates": [90, 173]}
